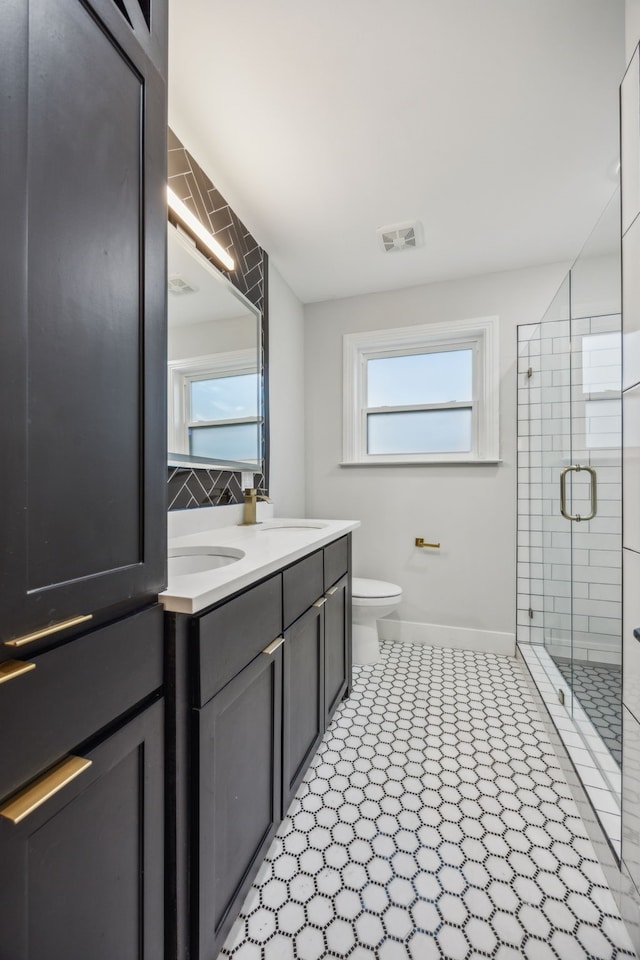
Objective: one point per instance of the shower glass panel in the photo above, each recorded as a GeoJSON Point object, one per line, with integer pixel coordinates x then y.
{"type": "Point", "coordinates": [570, 504]}
{"type": "Point", "coordinates": [553, 419]}
{"type": "Point", "coordinates": [596, 430]}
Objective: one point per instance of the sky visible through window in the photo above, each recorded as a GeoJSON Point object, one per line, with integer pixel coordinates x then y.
{"type": "Point", "coordinates": [440, 377]}
{"type": "Point", "coordinates": [224, 398]}
{"type": "Point", "coordinates": [422, 431]}
{"type": "Point", "coordinates": [228, 442]}
{"type": "Point", "coordinates": [426, 378]}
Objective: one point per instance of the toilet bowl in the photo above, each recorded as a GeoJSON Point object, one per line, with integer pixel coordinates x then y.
{"type": "Point", "coordinates": [371, 599]}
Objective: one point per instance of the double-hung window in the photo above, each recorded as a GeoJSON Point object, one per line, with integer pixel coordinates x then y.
{"type": "Point", "coordinates": [423, 394]}
{"type": "Point", "coordinates": [216, 407]}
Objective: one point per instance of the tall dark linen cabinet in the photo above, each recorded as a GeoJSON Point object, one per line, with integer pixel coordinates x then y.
{"type": "Point", "coordinates": [83, 479]}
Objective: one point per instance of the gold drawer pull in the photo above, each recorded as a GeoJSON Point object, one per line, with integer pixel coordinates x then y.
{"type": "Point", "coordinates": [33, 796]}
{"type": "Point", "coordinates": [330, 592]}
{"type": "Point", "coordinates": [273, 646]}
{"type": "Point", "coordinates": [47, 631]}
{"type": "Point", "coordinates": [11, 669]}
{"type": "Point", "coordinates": [320, 603]}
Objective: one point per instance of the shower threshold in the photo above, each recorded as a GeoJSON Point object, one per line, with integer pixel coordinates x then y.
{"type": "Point", "coordinates": [597, 768]}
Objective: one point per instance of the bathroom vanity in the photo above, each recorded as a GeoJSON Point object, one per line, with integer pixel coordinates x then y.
{"type": "Point", "coordinates": [148, 754]}
{"type": "Point", "coordinates": [258, 659]}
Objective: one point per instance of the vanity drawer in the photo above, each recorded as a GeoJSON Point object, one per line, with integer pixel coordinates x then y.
{"type": "Point", "coordinates": [231, 636]}
{"type": "Point", "coordinates": [336, 561]}
{"type": "Point", "coordinates": [74, 691]}
{"type": "Point", "coordinates": [302, 584]}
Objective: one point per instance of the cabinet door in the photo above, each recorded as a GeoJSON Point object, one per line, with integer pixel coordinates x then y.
{"type": "Point", "coordinates": [337, 645]}
{"type": "Point", "coordinates": [83, 295]}
{"type": "Point", "coordinates": [82, 875]}
{"type": "Point", "coordinates": [303, 697]}
{"type": "Point", "coordinates": [68, 695]}
{"type": "Point", "coordinates": [237, 795]}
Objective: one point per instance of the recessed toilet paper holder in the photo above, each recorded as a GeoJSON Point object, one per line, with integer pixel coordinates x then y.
{"type": "Point", "coordinates": [420, 542]}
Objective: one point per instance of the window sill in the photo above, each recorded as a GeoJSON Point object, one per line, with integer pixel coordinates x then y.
{"type": "Point", "coordinates": [476, 461]}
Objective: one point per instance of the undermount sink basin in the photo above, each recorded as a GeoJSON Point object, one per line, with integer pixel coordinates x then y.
{"type": "Point", "coordinates": [271, 525]}
{"type": "Point", "coordinates": [185, 560]}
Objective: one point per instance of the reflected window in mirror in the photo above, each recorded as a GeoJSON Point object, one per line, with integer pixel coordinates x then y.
{"type": "Point", "coordinates": [215, 378]}
{"type": "Point", "coordinates": [216, 407]}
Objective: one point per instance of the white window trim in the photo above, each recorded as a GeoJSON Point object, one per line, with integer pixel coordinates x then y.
{"type": "Point", "coordinates": [182, 372]}
{"type": "Point", "coordinates": [358, 348]}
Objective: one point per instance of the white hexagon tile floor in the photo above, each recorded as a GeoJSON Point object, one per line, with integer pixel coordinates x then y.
{"type": "Point", "coordinates": [434, 822]}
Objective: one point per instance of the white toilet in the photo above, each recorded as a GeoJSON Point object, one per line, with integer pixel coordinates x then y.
{"type": "Point", "coordinates": [371, 599]}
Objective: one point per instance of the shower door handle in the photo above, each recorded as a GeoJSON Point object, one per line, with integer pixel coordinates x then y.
{"type": "Point", "coordinates": [576, 468]}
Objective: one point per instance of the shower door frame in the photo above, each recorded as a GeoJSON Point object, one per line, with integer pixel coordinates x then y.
{"type": "Point", "coordinates": [544, 539]}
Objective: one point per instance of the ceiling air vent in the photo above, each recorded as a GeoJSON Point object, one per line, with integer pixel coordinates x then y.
{"type": "Point", "coordinates": [179, 287]}
{"type": "Point", "coordinates": [400, 236]}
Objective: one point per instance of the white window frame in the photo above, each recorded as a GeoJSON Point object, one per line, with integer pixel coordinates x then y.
{"type": "Point", "coordinates": [480, 334]}
{"type": "Point", "coordinates": [183, 372]}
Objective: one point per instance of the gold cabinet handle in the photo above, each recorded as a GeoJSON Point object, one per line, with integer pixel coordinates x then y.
{"type": "Point", "coordinates": [420, 542]}
{"type": "Point", "coordinates": [47, 631]}
{"type": "Point", "coordinates": [273, 646]}
{"type": "Point", "coordinates": [330, 592]}
{"type": "Point", "coordinates": [320, 603]}
{"type": "Point", "coordinates": [11, 669]}
{"type": "Point", "coordinates": [45, 787]}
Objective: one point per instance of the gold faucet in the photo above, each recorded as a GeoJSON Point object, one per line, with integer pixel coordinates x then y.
{"type": "Point", "coordinates": [251, 497]}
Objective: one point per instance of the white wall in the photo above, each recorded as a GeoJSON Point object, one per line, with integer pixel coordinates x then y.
{"type": "Point", "coordinates": [286, 398]}
{"type": "Point", "coordinates": [200, 339]}
{"type": "Point", "coordinates": [595, 284]}
{"type": "Point", "coordinates": [470, 581]}
{"type": "Point", "coordinates": [631, 26]}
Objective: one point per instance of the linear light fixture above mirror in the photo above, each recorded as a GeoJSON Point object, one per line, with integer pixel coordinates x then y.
{"type": "Point", "coordinates": [198, 229]}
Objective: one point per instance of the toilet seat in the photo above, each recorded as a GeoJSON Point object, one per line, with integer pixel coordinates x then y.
{"type": "Point", "coordinates": [365, 589]}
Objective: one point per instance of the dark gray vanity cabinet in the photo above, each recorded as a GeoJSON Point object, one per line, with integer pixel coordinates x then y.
{"type": "Point", "coordinates": [337, 614]}
{"type": "Point", "coordinates": [253, 684]}
{"type": "Point", "coordinates": [82, 875]}
{"type": "Point", "coordinates": [83, 304]}
{"type": "Point", "coordinates": [83, 484]}
{"type": "Point", "coordinates": [69, 693]}
{"type": "Point", "coordinates": [303, 694]}
{"type": "Point", "coordinates": [337, 645]}
{"type": "Point", "coordinates": [303, 698]}
{"type": "Point", "coordinates": [236, 753]}
{"type": "Point", "coordinates": [237, 742]}
{"type": "Point", "coordinates": [82, 781]}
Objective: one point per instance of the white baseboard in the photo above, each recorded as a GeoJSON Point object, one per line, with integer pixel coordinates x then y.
{"type": "Point", "coordinates": [439, 635]}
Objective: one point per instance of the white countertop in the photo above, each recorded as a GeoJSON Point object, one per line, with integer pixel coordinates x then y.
{"type": "Point", "coordinates": [266, 549]}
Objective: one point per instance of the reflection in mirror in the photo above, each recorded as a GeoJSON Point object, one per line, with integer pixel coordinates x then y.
{"type": "Point", "coordinates": [215, 415]}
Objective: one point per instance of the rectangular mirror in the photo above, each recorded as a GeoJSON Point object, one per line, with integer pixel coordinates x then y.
{"type": "Point", "coordinates": [214, 360]}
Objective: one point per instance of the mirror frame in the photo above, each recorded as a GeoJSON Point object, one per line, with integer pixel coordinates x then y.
{"type": "Point", "coordinates": [176, 368]}
{"type": "Point", "coordinates": [206, 484]}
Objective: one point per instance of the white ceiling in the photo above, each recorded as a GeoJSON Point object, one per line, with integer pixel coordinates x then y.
{"type": "Point", "coordinates": [494, 122]}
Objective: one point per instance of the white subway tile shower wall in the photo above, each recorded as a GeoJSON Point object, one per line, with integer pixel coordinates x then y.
{"type": "Point", "coordinates": [546, 549]}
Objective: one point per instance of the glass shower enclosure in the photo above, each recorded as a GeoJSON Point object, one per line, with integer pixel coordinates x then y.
{"type": "Point", "coordinates": [570, 504]}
